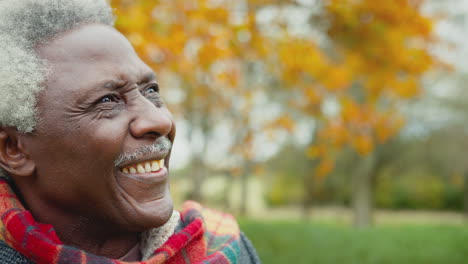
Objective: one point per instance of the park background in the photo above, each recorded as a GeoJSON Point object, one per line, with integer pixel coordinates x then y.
{"type": "Point", "coordinates": [336, 131]}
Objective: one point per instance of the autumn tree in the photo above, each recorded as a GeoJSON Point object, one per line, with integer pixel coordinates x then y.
{"type": "Point", "coordinates": [221, 58]}
{"type": "Point", "coordinates": [371, 60]}
{"type": "Point", "coordinates": [377, 53]}
{"type": "Point", "coordinates": [206, 50]}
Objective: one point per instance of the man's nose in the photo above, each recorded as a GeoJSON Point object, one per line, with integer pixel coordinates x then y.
{"type": "Point", "coordinates": [150, 120]}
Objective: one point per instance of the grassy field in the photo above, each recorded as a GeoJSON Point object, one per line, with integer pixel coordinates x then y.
{"type": "Point", "coordinates": [307, 243]}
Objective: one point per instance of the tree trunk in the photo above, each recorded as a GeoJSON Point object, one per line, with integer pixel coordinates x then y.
{"type": "Point", "coordinates": [199, 171]}
{"type": "Point", "coordinates": [227, 191]}
{"type": "Point", "coordinates": [363, 192]}
{"type": "Point", "coordinates": [198, 178]}
{"type": "Point", "coordinates": [308, 180]}
{"type": "Point", "coordinates": [465, 191]}
{"type": "Point", "coordinates": [308, 199]}
{"type": "Point", "coordinates": [245, 188]}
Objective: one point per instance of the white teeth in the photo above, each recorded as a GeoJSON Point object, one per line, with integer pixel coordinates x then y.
{"type": "Point", "coordinates": [147, 167]}
{"type": "Point", "coordinates": [140, 169]}
{"type": "Point", "coordinates": [154, 166]}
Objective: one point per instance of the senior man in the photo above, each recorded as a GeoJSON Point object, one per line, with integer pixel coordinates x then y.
{"type": "Point", "coordinates": [85, 140]}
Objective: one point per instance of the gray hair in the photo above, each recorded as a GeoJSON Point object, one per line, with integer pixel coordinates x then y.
{"type": "Point", "coordinates": [24, 25]}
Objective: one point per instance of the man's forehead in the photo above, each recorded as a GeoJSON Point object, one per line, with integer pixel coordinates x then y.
{"type": "Point", "coordinates": [88, 42]}
{"type": "Point", "coordinates": [94, 57]}
{"type": "Point", "coordinates": [108, 82]}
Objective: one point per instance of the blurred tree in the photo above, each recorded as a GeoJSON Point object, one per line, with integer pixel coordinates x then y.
{"type": "Point", "coordinates": [374, 57]}
{"type": "Point", "coordinates": [204, 48]}
{"type": "Point", "coordinates": [223, 56]}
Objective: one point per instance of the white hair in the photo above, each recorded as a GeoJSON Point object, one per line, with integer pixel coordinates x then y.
{"type": "Point", "coordinates": [24, 25]}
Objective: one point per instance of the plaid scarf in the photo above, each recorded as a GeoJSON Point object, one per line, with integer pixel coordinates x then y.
{"type": "Point", "coordinates": [205, 237]}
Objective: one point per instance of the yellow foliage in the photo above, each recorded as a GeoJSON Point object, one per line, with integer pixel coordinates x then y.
{"type": "Point", "coordinates": [363, 144]}
{"type": "Point", "coordinates": [407, 88]}
{"type": "Point", "coordinates": [285, 122]}
{"type": "Point", "coordinates": [313, 96]}
{"type": "Point", "coordinates": [376, 54]}
{"type": "Point", "coordinates": [337, 78]}
{"type": "Point", "coordinates": [315, 151]}
{"type": "Point", "coordinates": [335, 134]}
{"type": "Point", "coordinates": [324, 168]}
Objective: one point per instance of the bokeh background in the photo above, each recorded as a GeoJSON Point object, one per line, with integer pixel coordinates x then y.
{"type": "Point", "coordinates": [335, 130]}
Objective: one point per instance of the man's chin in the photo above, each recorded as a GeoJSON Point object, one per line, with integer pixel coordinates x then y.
{"type": "Point", "coordinates": [144, 200]}
{"type": "Point", "coordinates": [152, 214]}
{"type": "Point", "coordinates": [141, 216]}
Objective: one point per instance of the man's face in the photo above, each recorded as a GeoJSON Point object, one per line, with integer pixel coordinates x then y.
{"type": "Point", "coordinates": [100, 106]}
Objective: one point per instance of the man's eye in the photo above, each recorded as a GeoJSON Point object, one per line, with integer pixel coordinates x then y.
{"type": "Point", "coordinates": [108, 99]}
{"type": "Point", "coordinates": [152, 89]}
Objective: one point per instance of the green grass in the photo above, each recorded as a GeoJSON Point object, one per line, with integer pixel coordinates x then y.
{"type": "Point", "coordinates": [305, 243]}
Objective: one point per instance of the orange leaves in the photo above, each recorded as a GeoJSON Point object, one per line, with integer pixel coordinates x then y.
{"type": "Point", "coordinates": [382, 33]}
{"type": "Point", "coordinates": [379, 52]}
{"type": "Point", "coordinates": [230, 77]}
{"type": "Point", "coordinates": [354, 113]}
{"type": "Point", "coordinates": [407, 88]}
{"type": "Point", "coordinates": [216, 15]}
{"type": "Point", "coordinates": [315, 151]}
{"type": "Point", "coordinates": [298, 58]}
{"type": "Point", "coordinates": [321, 153]}
{"type": "Point", "coordinates": [313, 96]}
{"type": "Point", "coordinates": [178, 29]}
{"type": "Point", "coordinates": [324, 168]}
{"type": "Point", "coordinates": [284, 122]}
{"type": "Point", "coordinates": [363, 144]}
{"type": "Point", "coordinates": [387, 125]}
{"type": "Point", "coordinates": [337, 78]}
{"type": "Point", "coordinates": [372, 55]}
{"type": "Point", "coordinates": [334, 135]}
{"type": "Point", "coordinates": [366, 126]}
{"type": "Point", "coordinates": [197, 43]}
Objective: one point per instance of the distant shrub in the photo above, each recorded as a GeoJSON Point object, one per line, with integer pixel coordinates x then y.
{"type": "Point", "coordinates": [283, 191]}
{"type": "Point", "coordinates": [417, 190]}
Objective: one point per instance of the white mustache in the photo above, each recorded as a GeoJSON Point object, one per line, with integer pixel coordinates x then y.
{"type": "Point", "coordinates": [161, 146]}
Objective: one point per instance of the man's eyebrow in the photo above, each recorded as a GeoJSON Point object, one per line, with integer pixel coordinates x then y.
{"type": "Point", "coordinates": [147, 77]}
{"type": "Point", "coordinates": [113, 84]}
{"type": "Point", "coordinates": [88, 92]}
{"type": "Point", "coordinates": [116, 84]}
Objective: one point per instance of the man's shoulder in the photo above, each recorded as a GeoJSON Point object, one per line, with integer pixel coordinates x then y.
{"type": "Point", "coordinates": [221, 231]}
{"type": "Point", "coordinates": [214, 221]}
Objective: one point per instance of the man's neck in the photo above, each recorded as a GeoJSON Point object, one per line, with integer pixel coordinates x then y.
{"type": "Point", "coordinates": [85, 233]}
{"type": "Point", "coordinates": [93, 238]}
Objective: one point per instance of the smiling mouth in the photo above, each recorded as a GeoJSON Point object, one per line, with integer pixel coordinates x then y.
{"type": "Point", "coordinates": [144, 167]}
{"type": "Point", "coordinates": [144, 181]}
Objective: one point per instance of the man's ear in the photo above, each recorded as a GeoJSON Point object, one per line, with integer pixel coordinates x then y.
{"type": "Point", "coordinates": [13, 157]}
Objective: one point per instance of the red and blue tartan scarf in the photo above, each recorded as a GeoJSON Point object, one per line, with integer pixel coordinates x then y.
{"type": "Point", "coordinates": [206, 237]}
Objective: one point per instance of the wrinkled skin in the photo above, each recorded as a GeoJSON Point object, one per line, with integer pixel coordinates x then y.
{"type": "Point", "coordinates": [100, 101]}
